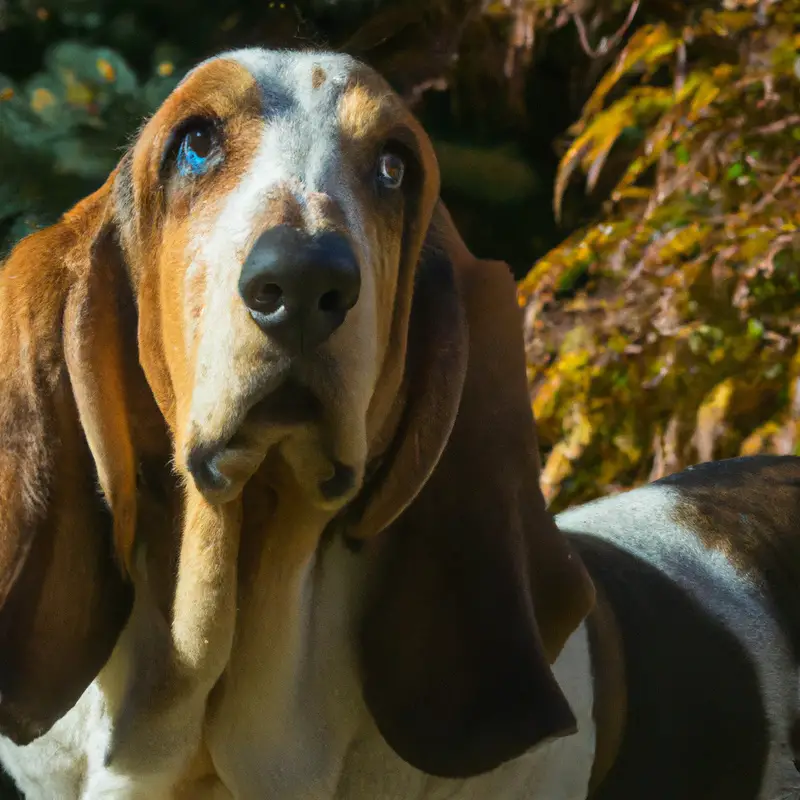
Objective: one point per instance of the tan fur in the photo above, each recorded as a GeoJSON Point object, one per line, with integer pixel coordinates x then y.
{"type": "Point", "coordinates": [281, 208]}
{"type": "Point", "coordinates": [359, 110]}
{"type": "Point", "coordinates": [318, 76]}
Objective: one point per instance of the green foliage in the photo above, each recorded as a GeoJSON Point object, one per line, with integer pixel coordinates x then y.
{"type": "Point", "coordinates": [62, 129]}
{"type": "Point", "coordinates": [681, 342]}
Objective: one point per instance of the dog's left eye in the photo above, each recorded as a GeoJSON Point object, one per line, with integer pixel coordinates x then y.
{"type": "Point", "coordinates": [391, 170]}
{"type": "Point", "coordinates": [195, 150]}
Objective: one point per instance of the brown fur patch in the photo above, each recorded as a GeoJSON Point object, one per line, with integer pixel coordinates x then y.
{"type": "Point", "coordinates": [195, 291]}
{"type": "Point", "coordinates": [318, 76]}
{"type": "Point", "coordinates": [361, 110]}
{"type": "Point", "coordinates": [324, 213]}
{"type": "Point", "coordinates": [484, 692]}
{"type": "Point", "coordinates": [69, 380]}
{"type": "Point", "coordinates": [749, 509]}
{"type": "Point", "coordinates": [228, 92]}
{"type": "Point", "coordinates": [282, 208]}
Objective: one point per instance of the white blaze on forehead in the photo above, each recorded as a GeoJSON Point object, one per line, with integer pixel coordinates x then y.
{"type": "Point", "coordinates": [306, 120]}
{"type": "Point", "coordinates": [294, 65]}
{"type": "Point", "coordinates": [309, 144]}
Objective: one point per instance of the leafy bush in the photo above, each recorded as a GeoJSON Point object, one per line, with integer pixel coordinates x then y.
{"type": "Point", "coordinates": [666, 333]}
{"type": "Point", "coordinates": [61, 130]}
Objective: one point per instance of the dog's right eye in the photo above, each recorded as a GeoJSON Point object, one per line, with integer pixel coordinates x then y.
{"type": "Point", "coordinates": [195, 150]}
{"type": "Point", "coordinates": [195, 147]}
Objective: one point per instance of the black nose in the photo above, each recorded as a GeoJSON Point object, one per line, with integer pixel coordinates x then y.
{"type": "Point", "coordinates": [298, 287]}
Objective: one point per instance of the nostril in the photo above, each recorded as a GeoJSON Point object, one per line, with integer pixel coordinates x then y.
{"type": "Point", "coordinates": [265, 297]}
{"type": "Point", "coordinates": [300, 287]}
{"type": "Point", "coordinates": [332, 301]}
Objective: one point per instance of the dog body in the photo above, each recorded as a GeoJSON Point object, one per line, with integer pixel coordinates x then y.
{"type": "Point", "coordinates": [319, 564]}
{"type": "Point", "coordinates": [701, 570]}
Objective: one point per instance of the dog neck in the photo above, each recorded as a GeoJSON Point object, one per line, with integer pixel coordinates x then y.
{"type": "Point", "coordinates": [288, 719]}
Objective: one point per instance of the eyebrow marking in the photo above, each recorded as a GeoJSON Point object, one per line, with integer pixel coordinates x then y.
{"type": "Point", "coordinates": [359, 110]}
{"type": "Point", "coordinates": [318, 76]}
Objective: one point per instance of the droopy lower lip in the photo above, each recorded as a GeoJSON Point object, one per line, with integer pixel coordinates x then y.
{"type": "Point", "coordinates": [289, 404]}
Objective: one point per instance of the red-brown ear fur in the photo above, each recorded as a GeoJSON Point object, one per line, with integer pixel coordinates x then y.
{"type": "Point", "coordinates": [67, 465]}
{"type": "Point", "coordinates": [476, 590]}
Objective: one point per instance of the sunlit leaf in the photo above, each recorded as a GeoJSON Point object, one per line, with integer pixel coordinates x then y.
{"type": "Point", "coordinates": [689, 327]}
{"type": "Point", "coordinates": [650, 44]}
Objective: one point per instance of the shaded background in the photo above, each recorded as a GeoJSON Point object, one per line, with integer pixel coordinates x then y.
{"type": "Point", "coordinates": [660, 301]}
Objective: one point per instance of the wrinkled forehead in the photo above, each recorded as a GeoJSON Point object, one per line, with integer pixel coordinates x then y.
{"type": "Point", "coordinates": [308, 85]}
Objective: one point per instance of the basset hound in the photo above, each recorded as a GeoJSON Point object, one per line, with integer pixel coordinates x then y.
{"type": "Point", "coordinates": [270, 521]}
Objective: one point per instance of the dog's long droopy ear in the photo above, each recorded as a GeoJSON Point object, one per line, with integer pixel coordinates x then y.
{"type": "Point", "coordinates": [476, 591]}
{"type": "Point", "coordinates": [67, 466]}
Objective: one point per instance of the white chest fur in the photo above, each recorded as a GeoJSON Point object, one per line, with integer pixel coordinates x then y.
{"type": "Point", "coordinates": [288, 722]}
{"type": "Point", "coordinates": [310, 735]}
